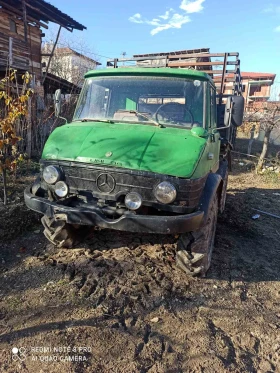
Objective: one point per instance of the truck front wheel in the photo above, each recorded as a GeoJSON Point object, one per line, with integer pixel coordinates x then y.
{"type": "Point", "coordinates": [194, 249]}
{"type": "Point", "coordinates": [62, 234]}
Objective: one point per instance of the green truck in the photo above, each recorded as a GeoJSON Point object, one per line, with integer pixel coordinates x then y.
{"type": "Point", "coordinates": [148, 150]}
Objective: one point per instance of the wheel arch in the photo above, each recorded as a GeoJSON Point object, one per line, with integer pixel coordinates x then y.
{"type": "Point", "coordinates": [213, 186]}
{"type": "Point", "coordinates": [222, 171]}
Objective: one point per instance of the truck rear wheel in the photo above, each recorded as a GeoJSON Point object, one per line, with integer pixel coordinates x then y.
{"type": "Point", "coordinates": [62, 234]}
{"type": "Point", "coordinates": [194, 249]}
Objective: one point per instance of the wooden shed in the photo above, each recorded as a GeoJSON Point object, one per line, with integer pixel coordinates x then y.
{"type": "Point", "coordinates": [21, 24]}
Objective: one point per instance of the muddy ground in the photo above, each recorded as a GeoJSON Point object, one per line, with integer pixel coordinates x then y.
{"type": "Point", "coordinates": [117, 303]}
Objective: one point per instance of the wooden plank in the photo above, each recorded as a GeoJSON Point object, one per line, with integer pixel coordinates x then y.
{"type": "Point", "coordinates": [10, 51]}
{"type": "Point", "coordinates": [4, 45]}
{"type": "Point", "coordinates": [201, 55]}
{"type": "Point", "coordinates": [29, 129]}
{"type": "Point", "coordinates": [219, 80]}
{"type": "Point", "coordinates": [21, 53]}
{"type": "Point", "coordinates": [20, 34]}
{"type": "Point", "coordinates": [5, 23]}
{"type": "Point", "coordinates": [35, 30]}
{"type": "Point", "coordinates": [13, 11]}
{"type": "Point", "coordinates": [220, 72]}
{"type": "Point", "coordinates": [24, 20]}
{"type": "Point", "coordinates": [35, 64]}
{"type": "Point", "coordinates": [174, 53]}
{"type": "Point", "coordinates": [189, 63]}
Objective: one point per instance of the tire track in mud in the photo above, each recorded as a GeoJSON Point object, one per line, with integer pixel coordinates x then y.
{"type": "Point", "coordinates": [106, 274]}
{"type": "Point", "coordinates": [127, 280]}
{"type": "Point", "coordinates": [128, 284]}
{"type": "Point", "coordinates": [222, 341]}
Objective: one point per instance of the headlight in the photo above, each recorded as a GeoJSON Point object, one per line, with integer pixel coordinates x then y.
{"type": "Point", "coordinates": [51, 174]}
{"type": "Point", "coordinates": [133, 201]}
{"type": "Point", "coordinates": [61, 189]}
{"type": "Point", "coordinates": [165, 192]}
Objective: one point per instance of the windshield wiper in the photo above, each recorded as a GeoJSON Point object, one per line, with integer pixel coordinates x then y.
{"type": "Point", "coordinates": [145, 116]}
{"type": "Point", "coordinates": [94, 120]}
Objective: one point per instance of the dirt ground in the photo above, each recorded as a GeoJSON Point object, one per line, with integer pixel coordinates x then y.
{"type": "Point", "coordinates": [117, 303]}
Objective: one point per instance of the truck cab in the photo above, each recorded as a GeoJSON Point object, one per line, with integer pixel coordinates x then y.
{"type": "Point", "coordinates": [143, 153]}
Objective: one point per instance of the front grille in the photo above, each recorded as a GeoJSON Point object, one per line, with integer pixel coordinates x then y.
{"type": "Point", "coordinates": [81, 177]}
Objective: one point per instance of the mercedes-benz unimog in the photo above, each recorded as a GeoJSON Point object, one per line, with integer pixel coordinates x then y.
{"type": "Point", "coordinates": [148, 150]}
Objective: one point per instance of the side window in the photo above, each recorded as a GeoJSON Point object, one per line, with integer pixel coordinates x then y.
{"type": "Point", "coordinates": [213, 108]}
{"type": "Point", "coordinates": [13, 26]}
{"type": "Point", "coordinates": [95, 101]}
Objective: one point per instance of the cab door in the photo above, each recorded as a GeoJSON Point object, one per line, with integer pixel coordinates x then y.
{"type": "Point", "coordinates": [213, 143]}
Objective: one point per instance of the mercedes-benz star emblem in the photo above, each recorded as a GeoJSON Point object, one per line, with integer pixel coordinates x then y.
{"type": "Point", "coordinates": [105, 183]}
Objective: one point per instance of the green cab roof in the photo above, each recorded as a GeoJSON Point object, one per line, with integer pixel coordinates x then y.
{"type": "Point", "coordinates": [163, 72]}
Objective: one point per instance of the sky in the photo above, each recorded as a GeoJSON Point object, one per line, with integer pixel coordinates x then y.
{"type": "Point", "coordinates": [250, 27]}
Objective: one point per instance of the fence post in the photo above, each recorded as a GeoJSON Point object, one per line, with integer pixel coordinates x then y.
{"type": "Point", "coordinates": [29, 130]}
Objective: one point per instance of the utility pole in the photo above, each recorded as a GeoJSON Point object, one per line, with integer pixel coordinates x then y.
{"type": "Point", "coordinates": [123, 55]}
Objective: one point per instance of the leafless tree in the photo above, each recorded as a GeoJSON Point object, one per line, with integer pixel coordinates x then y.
{"type": "Point", "coordinates": [267, 116]}
{"type": "Point", "coordinates": [61, 62]}
{"type": "Point", "coordinates": [270, 120]}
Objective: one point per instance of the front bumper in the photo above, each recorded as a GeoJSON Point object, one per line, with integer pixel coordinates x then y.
{"type": "Point", "coordinates": [127, 222]}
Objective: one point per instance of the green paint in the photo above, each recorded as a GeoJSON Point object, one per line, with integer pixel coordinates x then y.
{"type": "Point", "coordinates": [152, 72]}
{"type": "Point", "coordinates": [169, 151]}
{"type": "Point", "coordinates": [130, 104]}
{"type": "Point", "coordinates": [205, 165]}
{"type": "Point", "coordinates": [199, 131]}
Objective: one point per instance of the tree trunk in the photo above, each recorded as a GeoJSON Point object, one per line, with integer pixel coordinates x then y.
{"type": "Point", "coordinates": [264, 150]}
{"type": "Point", "coordinates": [252, 137]}
{"type": "Point", "coordinates": [4, 175]}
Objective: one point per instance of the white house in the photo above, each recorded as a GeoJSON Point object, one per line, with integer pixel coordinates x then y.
{"type": "Point", "coordinates": [68, 64]}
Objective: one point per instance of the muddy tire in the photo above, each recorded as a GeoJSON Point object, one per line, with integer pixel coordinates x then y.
{"type": "Point", "coordinates": [194, 249]}
{"type": "Point", "coordinates": [62, 234]}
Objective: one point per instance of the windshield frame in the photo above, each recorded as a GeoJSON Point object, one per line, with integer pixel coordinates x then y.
{"type": "Point", "coordinates": [152, 121]}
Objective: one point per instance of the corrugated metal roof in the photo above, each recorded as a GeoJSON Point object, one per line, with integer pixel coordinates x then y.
{"type": "Point", "coordinates": [43, 11]}
{"type": "Point", "coordinates": [53, 82]}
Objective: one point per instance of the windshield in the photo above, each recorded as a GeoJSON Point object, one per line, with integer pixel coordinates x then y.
{"type": "Point", "coordinates": [166, 101]}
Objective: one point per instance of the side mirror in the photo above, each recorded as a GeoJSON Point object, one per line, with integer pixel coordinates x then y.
{"type": "Point", "coordinates": [237, 110]}
{"type": "Point", "coordinates": [57, 103]}
{"type": "Point", "coordinates": [228, 109]}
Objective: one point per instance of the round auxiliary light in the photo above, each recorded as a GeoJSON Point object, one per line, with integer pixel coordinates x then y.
{"type": "Point", "coordinates": [61, 189]}
{"type": "Point", "coordinates": [51, 174]}
{"type": "Point", "coordinates": [133, 201]}
{"type": "Point", "coordinates": [165, 192]}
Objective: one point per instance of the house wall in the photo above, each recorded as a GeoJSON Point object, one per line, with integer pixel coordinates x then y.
{"type": "Point", "coordinates": [69, 66]}
{"type": "Point", "coordinates": [259, 91]}
{"type": "Point", "coordinates": [80, 66]}
{"type": "Point", "coordinates": [61, 65]}
{"type": "Point", "coordinates": [25, 56]}
{"type": "Point", "coordinates": [262, 91]}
